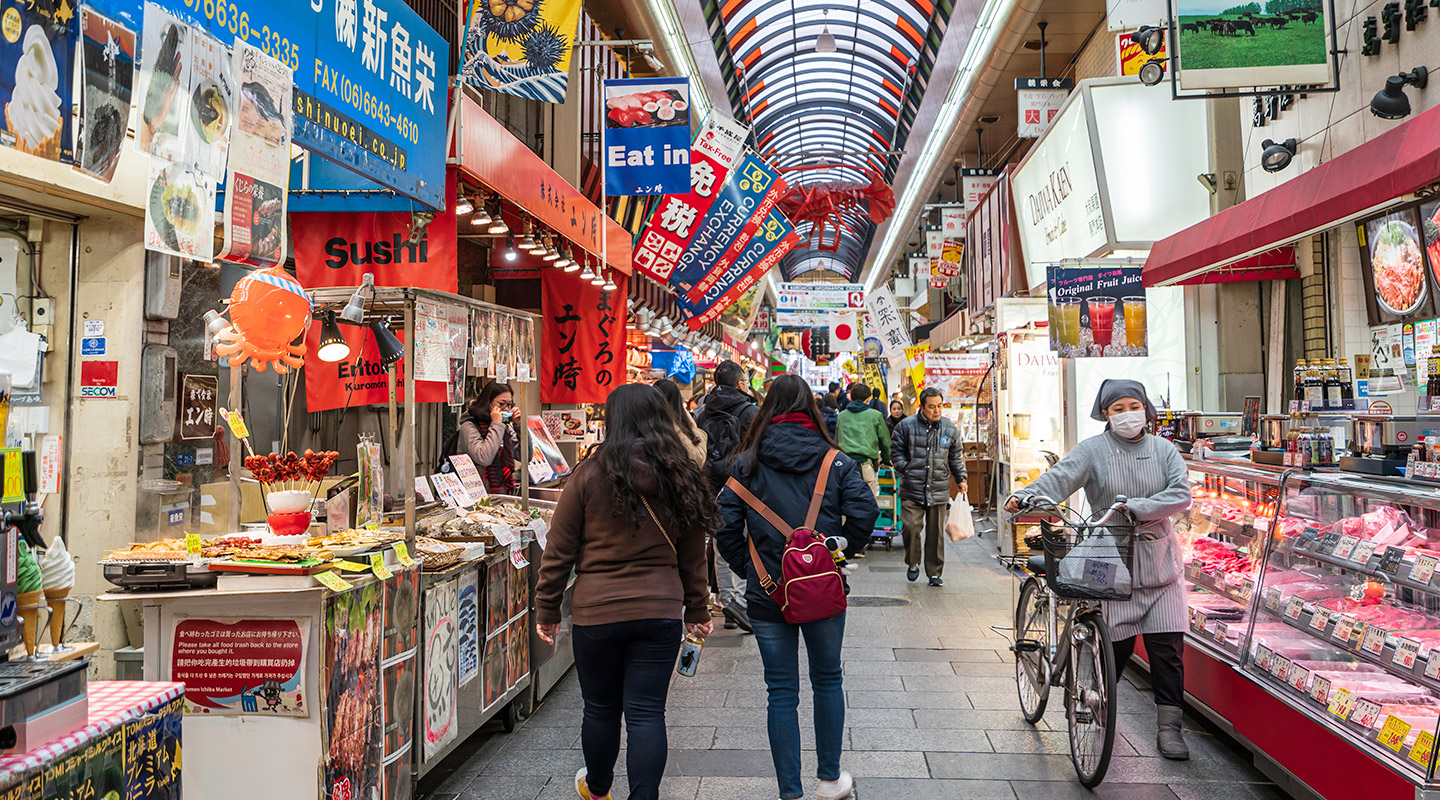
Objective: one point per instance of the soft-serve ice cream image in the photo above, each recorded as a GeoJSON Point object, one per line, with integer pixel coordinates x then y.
{"type": "Point", "coordinates": [33, 113]}
{"type": "Point", "coordinates": [57, 578]}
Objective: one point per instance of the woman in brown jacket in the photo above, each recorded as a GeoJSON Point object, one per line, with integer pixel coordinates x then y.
{"type": "Point", "coordinates": [631, 524]}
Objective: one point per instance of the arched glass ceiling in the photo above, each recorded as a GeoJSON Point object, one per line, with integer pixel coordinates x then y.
{"type": "Point", "coordinates": [843, 113]}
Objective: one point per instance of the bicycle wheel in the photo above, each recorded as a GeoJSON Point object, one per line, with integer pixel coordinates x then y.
{"type": "Point", "coordinates": [1090, 698]}
{"type": "Point", "coordinates": [1032, 650]}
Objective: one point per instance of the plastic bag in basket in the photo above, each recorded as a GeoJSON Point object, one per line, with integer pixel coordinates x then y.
{"type": "Point", "coordinates": [1095, 565]}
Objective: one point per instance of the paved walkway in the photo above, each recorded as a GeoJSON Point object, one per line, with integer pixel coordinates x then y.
{"type": "Point", "coordinates": [932, 714]}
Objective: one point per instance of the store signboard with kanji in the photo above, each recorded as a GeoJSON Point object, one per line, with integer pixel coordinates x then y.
{"type": "Point", "coordinates": [584, 335]}
{"type": "Point", "coordinates": [234, 666]}
{"type": "Point", "coordinates": [974, 183]}
{"type": "Point", "coordinates": [199, 395]}
{"type": "Point", "coordinates": [711, 249]}
{"type": "Point", "coordinates": [1039, 102]}
{"type": "Point", "coordinates": [887, 323]}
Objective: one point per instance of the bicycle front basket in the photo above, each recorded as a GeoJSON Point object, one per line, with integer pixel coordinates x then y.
{"type": "Point", "coordinates": [1089, 562]}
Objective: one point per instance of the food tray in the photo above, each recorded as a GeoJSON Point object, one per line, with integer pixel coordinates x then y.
{"type": "Point", "coordinates": [158, 574]}
{"type": "Point", "coordinates": [270, 567]}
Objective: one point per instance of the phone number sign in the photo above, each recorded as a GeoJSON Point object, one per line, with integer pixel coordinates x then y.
{"type": "Point", "coordinates": [370, 81]}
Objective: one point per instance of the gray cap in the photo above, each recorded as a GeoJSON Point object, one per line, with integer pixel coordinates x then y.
{"type": "Point", "coordinates": [1113, 389]}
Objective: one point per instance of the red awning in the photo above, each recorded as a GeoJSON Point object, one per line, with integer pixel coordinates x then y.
{"type": "Point", "coordinates": [1271, 265]}
{"type": "Point", "coordinates": [1368, 177]}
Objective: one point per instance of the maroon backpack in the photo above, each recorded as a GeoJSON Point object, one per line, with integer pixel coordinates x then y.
{"type": "Point", "coordinates": [810, 587]}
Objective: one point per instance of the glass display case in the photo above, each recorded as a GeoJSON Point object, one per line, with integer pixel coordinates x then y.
{"type": "Point", "coordinates": [1223, 541]}
{"type": "Point", "coordinates": [1347, 613]}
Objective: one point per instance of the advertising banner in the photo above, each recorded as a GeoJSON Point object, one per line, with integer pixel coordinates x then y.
{"type": "Point", "coordinates": [915, 365]}
{"type": "Point", "coordinates": [765, 215]}
{"type": "Point", "coordinates": [242, 666]}
{"type": "Point", "coordinates": [938, 280]}
{"type": "Point", "coordinates": [468, 625]}
{"type": "Point", "coordinates": [713, 155]}
{"type": "Point", "coordinates": [885, 322]}
{"type": "Point", "coordinates": [439, 723]}
{"type": "Point", "coordinates": [521, 48]}
{"type": "Point", "coordinates": [647, 136]}
{"type": "Point", "coordinates": [359, 380]}
{"type": "Point", "coordinates": [258, 173]}
{"type": "Point", "coordinates": [338, 249]}
{"type": "Point", "coordinates": [584, 335]}
{"type": "Point", "coordinates": [776, 237]}
{"type": "Point", "coordinates": [951, 253]}
{"type": "Point", "coordinates": [350, 674]}
{"type": "Point", "coordinates": [1097, 311]}
{"type": "Point", "coordinates": [821, 296]}
{"type": "Point", "coordinates": [38, 78]}
{"type": "Point", "coordinates": [1223, 45]}
{"type": "Point", "coordinates": [958, 376]}
{"type": "Point", "coordinates": [1039, 100]}
{"type": "Point", "coordinates": [107, 57]}
{"type": "Point", "coordinates": [1132, 58]}
{"type": "Point", "coordinates": [735, 205]}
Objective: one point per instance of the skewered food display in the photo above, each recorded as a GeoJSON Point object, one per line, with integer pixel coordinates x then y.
{"type": "Point", "coordinates": [291, 472]}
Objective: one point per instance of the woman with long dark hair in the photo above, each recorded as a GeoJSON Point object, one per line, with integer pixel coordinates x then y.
{"type": "Point", "coordinates": [691, 435]}
{"type": "Point", "coordinates": [780, 463]}
{"type": "Point", "coordinates": [631, 524]}
{"type": "Point", "coordinates": [487, 435]}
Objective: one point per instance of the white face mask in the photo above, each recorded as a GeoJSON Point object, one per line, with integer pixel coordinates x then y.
{"type": "Point", "coordinates": [1128, 423]}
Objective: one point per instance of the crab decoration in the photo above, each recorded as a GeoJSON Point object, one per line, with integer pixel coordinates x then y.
{"type": "Point", "coordinates": [269, 312]}
{"type": "Point", "coordinates": [823, 205]}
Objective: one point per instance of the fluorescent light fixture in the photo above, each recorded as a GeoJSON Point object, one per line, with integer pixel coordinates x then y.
{"type": "Point", "coordinates": [677, 47]}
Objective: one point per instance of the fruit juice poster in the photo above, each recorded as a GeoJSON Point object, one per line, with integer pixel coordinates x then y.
{"type": "Point", "coordinates": [1097, 311]}
{"type": "Point", "coordinates": [107, 54]}
{"type": "Point", "coordinates": [37, 70]}
{"type": "Point", "coordinates": [647, 136]}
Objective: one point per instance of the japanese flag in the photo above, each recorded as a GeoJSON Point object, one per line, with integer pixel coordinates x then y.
{"type": "Point", "coordinates": [844, 333]}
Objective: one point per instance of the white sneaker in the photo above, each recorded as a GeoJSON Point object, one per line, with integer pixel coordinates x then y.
{"type": "Point", "coordinates": [836, 789]}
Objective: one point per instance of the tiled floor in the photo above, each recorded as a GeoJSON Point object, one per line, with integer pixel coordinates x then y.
{"type": "Point", "coordinates": [932, 713]}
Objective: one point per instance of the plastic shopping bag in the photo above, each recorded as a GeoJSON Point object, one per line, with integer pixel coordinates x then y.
{"type": "Point", "coordinates": [1096, 567]}
{"type": "Point", "coordinates": [960, 523]}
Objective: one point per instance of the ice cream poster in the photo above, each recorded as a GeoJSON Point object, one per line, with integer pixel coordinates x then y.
{"type": "Point", "coordinates": [37, 71]}
{"type": "Point", "coordinates": [107, 56]}
{"type": "Point", "coordinates": [521, 47]}
{"type": "Point", "coordinates": [236, 666]}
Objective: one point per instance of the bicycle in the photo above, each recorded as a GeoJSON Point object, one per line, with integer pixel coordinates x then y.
{"type": "Point", "coordinates": [1081, 659]}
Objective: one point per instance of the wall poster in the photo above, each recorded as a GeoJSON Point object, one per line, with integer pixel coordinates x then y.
{"type": "Point", "coordinates": [439, 725]}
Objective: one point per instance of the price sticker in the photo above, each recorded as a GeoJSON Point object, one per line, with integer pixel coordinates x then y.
{"type": "Point", "coordinates": [1366, 713]}
{"type": "Point", "coordinates": [1296, 608]}
{"type": "Point", "coordinates": [1262, 656]}
{"type": "Point", "coordinates": [1363, 551]}
{"type": "Point", "coordinates": [1326, 544]}
{"type": "Point", "coordinates": [1247, 589]}
{"type": "Point", "coordinates": [1320, 690]}
{"type": "Point", "coordinates": [1407, 652]}
{"type": "Point", "coordinates": [517, 556]}
{"type": "Point", "coordinates": [1345, 547]}
{"type": "Point", "coordinates": [1423, 747]}
{"type": "Point", "coordinates": [403, 553]}
{"type": "Point", "coordinates": [237, 423]}
{"type": "Point", "coordinates": [1272, 599]}
{"type": "Point", "coordinates": [541, 529]}
{"type": "Point", "coordinates": [350, 566]}
{"type": "Point", "coordinates": [1432, 666]}
{"type": "Point", "coordinates": [1321, 618]}
{"type": "Point", "coordinates": [1198, 621]}
{"type": "Point", "coordinates": [1193, 570]}
{"type": "Point", "coordinates": [1393, 733]}
{"type": "Point", "coordinates": [1307, 539]}
{"type": "Point", "coordinates": [1342, 703]}
{"type": "Point", "coordinates": [1390, 562]}
{"type": "Point", "coordinates": [1344, 628]}
{"type": "Point", "coordinates": [377, 566]}
{"type": "Point", "coordinates": [1374, 640]}
{"type": "Point", "coordinates": [332, 581]}
{"type": "Point", "coordinates": [1424, 568]}
{"type": "Point", "coordinates": [193, 544]}
{"type": "Point", "coordinates": [504, 535]}
{"type": "Point", "coordinates": [1299, 677]}
{"type": "Point", "coordinates": [1220, 630]}
{"type": "Point", "coordinates": [1280, 667]}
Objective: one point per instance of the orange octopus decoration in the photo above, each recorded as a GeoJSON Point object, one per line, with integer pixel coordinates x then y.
{"type": "Point", "coordinates": [822, 205]}
{"type": "Point", "coordinates": [268, 313]}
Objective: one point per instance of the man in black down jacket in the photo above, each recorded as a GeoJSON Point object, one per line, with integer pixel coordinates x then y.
{"type": "Point", "coordinates": [725, 415]}
{"type": "Point", "coordinates": [926, 451]}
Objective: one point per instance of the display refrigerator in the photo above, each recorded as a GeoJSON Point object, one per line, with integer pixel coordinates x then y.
{"type": "Point", "coordinates": [1029, 408]}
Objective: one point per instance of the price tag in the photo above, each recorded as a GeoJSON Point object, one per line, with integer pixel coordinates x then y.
{"type": "Point", "coordinates": [1247, 589]}
{"type": "Point", "coordinates": [1280, 667]}
{"type": "Point", "coordinates": [1424, 568]}
{"type": "Point", "coordinates": [1432, 666]}
{"type": "Point", "coordinates": [517, 556]}
{"type": "Point", "coordinates": [1272, 599]}
{"type": "Point", "coordinates": [1299, 677]}
{"type": "Point", "coordinates": [1220, 630]}
{"type": "Point", "coordinates": [193, 544]}
{"type": "Point", "coordinates": [1198, 623]}
{"type": "Point", "coordinates": [1307, 539]}
{"type": "Point", "coordinates": [403, 553]}
{"type": "Point", "coordinates": [1366, 713]}
{"type": "Point", "coordinates": [1374, 641]}
{"type": "Point", "coordinates": [1296, 608]}
{"type": "Point", "coordinates": [504, 535]}
{"type": "Point", "coordinates": [1423, 747]}
{"type": "Point", "coordinates": [541, 529]}
{"type": "Point", "coordinates": [1262, 656]}
{"type": "Point", "coordinates": [377, 566]}
{"type": "Point", "coordinates": [1327, 543]}
{"type": "Point", "coordinates": [1363, 551]}
{"type": "Point", "coordinates": [1342, 703]}
{"type": "Point", "coordinates": [1407, 652]}
{"type": "Point", "coordinates": [1193, 570]}
{"type": "Point", "coordinates": [1344, 628]}
{"type": "Point", "coordinates": [1345, 547]}
{"type": "Point", "coordinates": [1390, 562]}
{"type": "Point", "coordinates": [1393, 734]}
{"type": "Point", "coordinates": [350, 566]}
{"type": "Point", "coordinates": [332, 581]}
{"type": "Point", "coordinates": [1321, 618]}
{"type": "Point", "coordinates": [237, 423]}
{"type": "Point", "coordinates": [1320, 689]}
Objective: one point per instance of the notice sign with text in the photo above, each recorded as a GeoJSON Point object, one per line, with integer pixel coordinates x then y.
{"type": "Point", "coordinates": [198, 397]}
{"type": "Point", "coordinates": [647, 136]}
{"type": "Point", "coordinates": [1097, 311]}
{"type": "Point", "coordinates": [236, 666]}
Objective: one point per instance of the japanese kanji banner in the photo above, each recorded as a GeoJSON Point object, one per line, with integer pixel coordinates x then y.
{"type": "Point", "coordinates": [713, 154]}
{"type": "Point", "coordinates": [583, 343]}
{"type": "Point", "coordinates": [776, 238]}
{"type": "Point", "coordinates": [521, 47]}
{"type": "Point", "coordinates": [647, 136]}
{"type": "Point", "coordinates": [886, 323]}
{"type": "Point", "coordinates": [756, 176]}
{"type": "Point", "coordinates": [736, 204]}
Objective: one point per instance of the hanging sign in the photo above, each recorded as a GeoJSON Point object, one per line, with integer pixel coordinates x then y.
{"type": "Point", "coordinates": [886, 322]}
{"type": "Point", "coordinates": [776, 238]}
{"type": "Point", "coordinates": [338, 249]}
{"type": "Point", "coordinates": [199, 395]}
{"type": "Point", "coordinates": [958, 376]}
{"type": "Point", "coordinates": [1039, 101]}
{"type": "Point", "coordinates": [975, 183]}
{"type": "Point", "coordinates": [521, 47]}
{"type": "Point", "coordinates": [1129, 55]}
{"type": "Point", "coordinates": [758, 175]}
{"type": "Point", "coordinates": [676, 220]}
{"type": "Point", "coordinates": [950, 254]}
{"type": "Point", "coordinates": [735, 204]}
{"type": "Point", "coordinates": [821, 296]}
{"type": "Point", "coordinates": [1097, 311]}
{"type": "Point", "coordinates": [584, 335]}
{"type": "Point", "coordinates": [359, 380]}
{"type": "Point", "coordinates": [952, 222]}
{"type": "Point", "coordinates": [647, 136]}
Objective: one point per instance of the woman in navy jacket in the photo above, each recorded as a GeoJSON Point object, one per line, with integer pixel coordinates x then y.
{"type": "Point", "coordinates": [780, 463]}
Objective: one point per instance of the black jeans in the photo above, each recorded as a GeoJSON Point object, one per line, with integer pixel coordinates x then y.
{"type": "Point", "coordinates": [624, 667]}
{"type": "Point", "coordinates": [1167, 665]}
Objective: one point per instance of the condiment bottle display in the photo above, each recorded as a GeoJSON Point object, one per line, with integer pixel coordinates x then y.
{"type": "Point", "coordinates": [1300, 381]}
{"type": "Point", "coordinates": [1314, 386]}
{"type": "Point", "coordinates": [1333, 398]}
{"type": "Point", "coordinates": [1347, 385]}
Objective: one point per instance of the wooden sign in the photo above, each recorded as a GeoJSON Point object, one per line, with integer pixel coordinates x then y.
{"type": "Point", "coordinates": [198, 397]}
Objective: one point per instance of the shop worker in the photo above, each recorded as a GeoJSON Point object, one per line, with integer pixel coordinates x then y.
{"type": "Point", "coordinates": [724, 417]}
{"type": "Point", "coordinates": [863, 435]}
{"type": "Point", "coordinates": [487, 435]}
{"type": "Point", "coordinates": [927, 454]}
{"type": "Point", "coordinates": [1147, 470]}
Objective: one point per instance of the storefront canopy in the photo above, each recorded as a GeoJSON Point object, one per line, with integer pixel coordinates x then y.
{"type": "Point", "coordinates": [1361, 181]}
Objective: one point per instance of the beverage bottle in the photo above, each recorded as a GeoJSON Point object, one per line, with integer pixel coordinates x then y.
{"type": "Point", "coordinates": [1347, 385]}
{"type": "Point", "coordinates": [690, 655]}
{"type": "Point", "coordinates": [1300, 381]}
{"type": "Point", "coordinates": [1332, 385]}
{"type": "Point", "coordinates": [1314, 386]}
{"type": "Point", "coordinates": [1290, 443]}
{"type": "Point", "coordinates": [1413, 458]}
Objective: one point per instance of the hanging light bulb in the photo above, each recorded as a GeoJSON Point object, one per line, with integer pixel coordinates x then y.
{"type": "Point", "coordinates": [497, 222]}
{"type": "Point", "coordinates": [527, 242]}
{"type": "Point", "coordinates": [587, 274]}
{"type": "Point", "coordinates": [462, 204]}
{"type": "Point", "coordinates": [599, 279]}
{"type": "Point", "coordinates": [551, 254]}
{"type": "Point", "coordinates": [482, 214]}
{"type": "Point", "coordinates": [510, 252]}
{"type": "Point", "coordinates": [825, 42]}
{"type": "Point", "coordinates": [574, 265]}
{"type": "Point", "coordinates": [609, 282]}
{"type": "Point", "coordinates": [564, 260]}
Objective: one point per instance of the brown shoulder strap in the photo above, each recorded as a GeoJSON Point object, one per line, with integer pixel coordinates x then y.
{"type": "Point", "coordinates": [763, 510]}
{"type": "Point", "coordinates": [820, 482]}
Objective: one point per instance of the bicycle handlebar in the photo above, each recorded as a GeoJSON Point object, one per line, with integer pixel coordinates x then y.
{"type": "Point", "coordinates": [1043, 503]}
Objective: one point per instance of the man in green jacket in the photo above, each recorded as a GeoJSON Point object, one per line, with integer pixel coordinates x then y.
{"type": "Point", "coordinates": [863, 435]}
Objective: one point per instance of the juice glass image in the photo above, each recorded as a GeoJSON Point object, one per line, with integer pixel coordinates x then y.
{"type": "Point", "coordinates": [1102, 319]}
{"type": "Point", "coordinates": [1068, 321]}
{"type": "Point", "coordinates": [1135, 321]}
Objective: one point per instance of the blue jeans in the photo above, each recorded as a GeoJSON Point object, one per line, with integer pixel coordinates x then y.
{"type": "Point", "coordinates": [780, 651]}
{"type": "Point", "coordinates": [624, 667]}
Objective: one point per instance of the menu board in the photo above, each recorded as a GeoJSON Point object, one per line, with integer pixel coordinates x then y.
{"type": "Point", "coordinates": [198, 397]}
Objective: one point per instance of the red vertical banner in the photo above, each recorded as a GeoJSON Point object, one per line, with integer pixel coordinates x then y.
{"type": "Point", "coordinates": [583, 345]}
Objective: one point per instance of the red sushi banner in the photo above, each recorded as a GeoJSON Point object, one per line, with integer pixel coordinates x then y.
{"type": "Point", "coordinates": [677, 217]}
{"type": "Point", "coordinates": [338, 249]}
{"type": "Point", "coordinates": [584, 338]}
{"type": "Point", "coordinates": [360, 379]}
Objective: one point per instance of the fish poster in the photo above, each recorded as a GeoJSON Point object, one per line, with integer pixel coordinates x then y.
{"type": "Point", "coordinates": [468, 619]}
{"type": "Point", "coordinates": [439, 724]}
{"type": "Point", "coordinates": [260, 143]}
{"type": "Point", "coordinates": [107, 56]}
{"type": "Point", "coordinates": [180, 211]}
{"type": "Point", "coordinates": [521, 47]}
{"type": "Point", "coordinates": [165, 74]}
{"type": "Point", "coordinates": [212, 98]}
{"type": "Point", "coordinates": [647, 136]}
{"type": "Point", "coordinates": [37, 70]}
